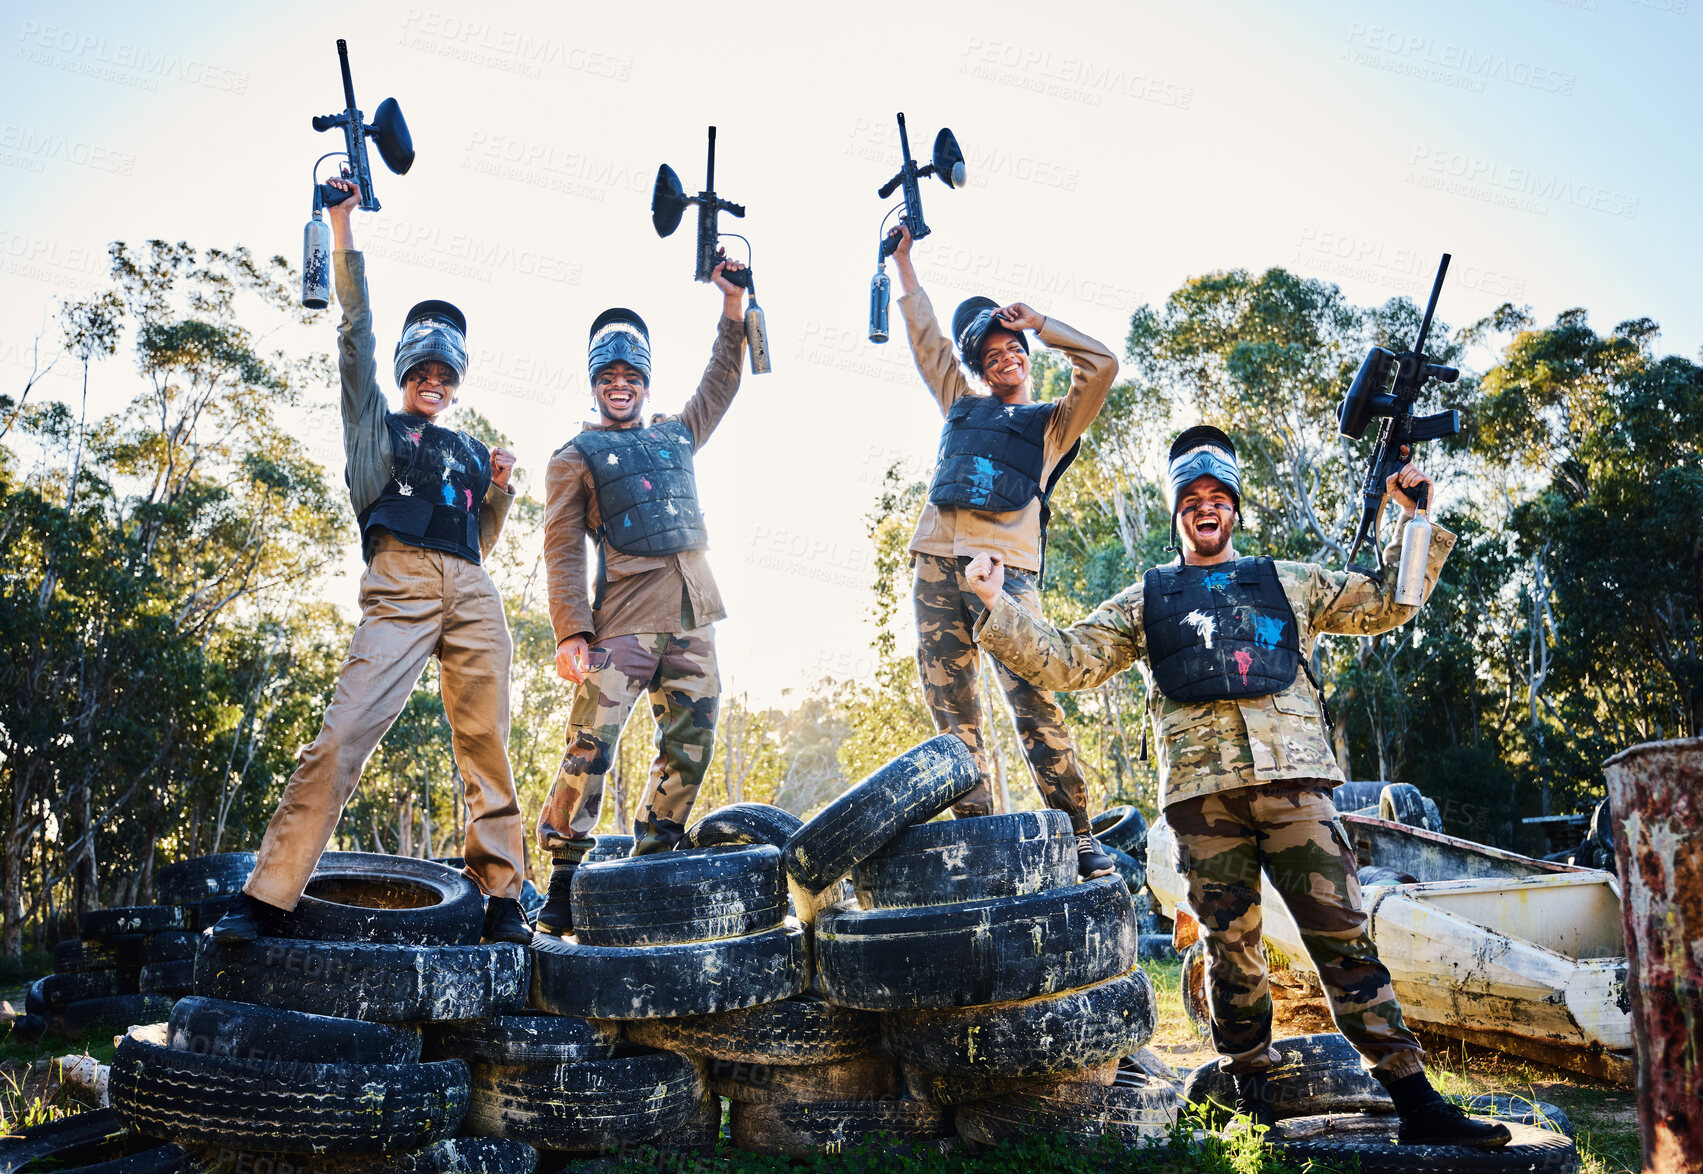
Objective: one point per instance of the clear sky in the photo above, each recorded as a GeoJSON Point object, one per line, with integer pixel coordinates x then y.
{"type": "Point", "coordinates": [1114, 149]}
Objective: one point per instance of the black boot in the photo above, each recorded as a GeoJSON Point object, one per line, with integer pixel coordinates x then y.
{"type": "Point", "coordinates": [241, 922]}
{"type": "Point", "coordinates": [505, 921]}
{"type": "Point", "coordinates": [1253, 1098]}
{"type": "Point", "coordinates": [557, 915]}
{"type": "Point", "coordinates": [1428, 1119]}
{"type": "Point", "coordinates": [1091, 859]}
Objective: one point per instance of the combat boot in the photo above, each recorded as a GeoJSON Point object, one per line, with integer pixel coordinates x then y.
{"type": "Point", "coordinates": [505, 921]}
{"type": "Point", "coordinates": [557, 915]}
{"type": "Point", "coordinates": [1253, 1098]}
{"type": "Point", "coordinates": [1428, 1119]}
{"type": "Point", "coordinates": [241, 922]}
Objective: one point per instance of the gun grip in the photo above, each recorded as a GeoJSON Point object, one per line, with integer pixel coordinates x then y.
{"type": "Point", "coordinates": [739, 277]}
{"type": "Point", "coordinates": [330, 197]}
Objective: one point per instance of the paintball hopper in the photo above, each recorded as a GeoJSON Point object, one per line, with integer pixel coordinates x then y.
{"type": "Point", "coordinates": [1386, 388]}
{"type": "Point", "coordinates": [668, 204]}
{"type": "Point", "coordinates": [947, 165]}
{"type": "Point", "coordinates": [389, 131]}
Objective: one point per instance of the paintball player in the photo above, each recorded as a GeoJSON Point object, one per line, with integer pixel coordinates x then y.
{"type": "Point", "coordinates": [431, 503]}
{"type": "Point", "coordinates": [1000, 456]}
{"type": "Point", "coordinates": [645, 627]}
{"type": "Point", "coordinates": [1245, 768]}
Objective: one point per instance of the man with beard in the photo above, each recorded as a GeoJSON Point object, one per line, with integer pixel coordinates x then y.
{"type": "Point", "coordinates": [431, 503]}
{"type": "Point", "coordinates": [645, 627]}
{"type": "Point", "coordinates": [1245, 767]}
{"type": "Point", "coordinates": [1001, 453]}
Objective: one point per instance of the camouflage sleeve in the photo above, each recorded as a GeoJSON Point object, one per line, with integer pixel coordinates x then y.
{"type": "Point", "coordinates": [1352, 605]}
{"type": "Point", "coordinates": [1078, 657]}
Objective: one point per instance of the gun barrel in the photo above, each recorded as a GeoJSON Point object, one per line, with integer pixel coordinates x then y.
{"type": "Point", "coordinates": [904, 141]}
{"type": "Point", "coordinates": [1431, 306]}
{"type": "Point", "coordinates": [348, 81]}
{"type": "Point", "coordinates": [709, 172]}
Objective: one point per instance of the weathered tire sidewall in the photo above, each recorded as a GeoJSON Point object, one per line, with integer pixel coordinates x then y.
{"type": "Point", "coordinates": [1531, 1150]}
{"type": "Point", "coordinates": [224, 1027]}
{"type": "Point", "coordinates": [523, 1039]}
{"type": "Point", "coordinates": [743, 823]}
{"type": "Point", "coordinates": [988, 857]}
{"type": "Point", "coordinates": [723, 891]}
{"type": "Point", "coordinates": [806, 1130]}
{"type": "Point", "coordinates": [455, 918]}
{"type": "Point", "coordinates": [589, 1105]}
{"type": "Point", "coordinates": [201, 877]}
{"type": "Point", "coordinates": [1122, 827]}
{"type": "Point", "coordinates": [1314, 1075]}
{"type": "Point", "coordinates": [803, 1029]}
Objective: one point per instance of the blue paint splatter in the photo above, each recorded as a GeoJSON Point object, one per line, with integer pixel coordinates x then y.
{"type": "Point", "coordinates": [1268, 630]}
{"type": "Point", "coordinates": [1216, 580]}
{"type": "Point", "coordinates": [981, 480]}
{"type": "Point", "coordinates": [664, 454]}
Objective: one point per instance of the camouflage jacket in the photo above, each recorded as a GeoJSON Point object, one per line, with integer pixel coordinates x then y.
{"type": "Point", "coordinates": [1219, 745]}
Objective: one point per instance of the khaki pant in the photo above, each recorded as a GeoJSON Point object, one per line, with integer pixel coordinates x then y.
{"type": "Point", "coordinates": [1288, 831]}
{"type": "Point", "coordinates": [415, 603]}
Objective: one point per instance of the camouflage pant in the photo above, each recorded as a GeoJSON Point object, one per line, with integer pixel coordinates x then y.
{"type": "Point", "coordinates": [949, 662]}
{"type": "Point", "coordinates": [679, 673]}
{"type": "Point", "coordinates": [1289, 829]}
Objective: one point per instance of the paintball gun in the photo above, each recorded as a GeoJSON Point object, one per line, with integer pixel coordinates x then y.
{"type": "Point", "coordinates": [395, 146]}
{"type": "Point", "coordinates": [1387, 386]}
{"type": "Point", "coordinates": [668, 203]}
{"type": "Point", "coordinates": [948, 165]}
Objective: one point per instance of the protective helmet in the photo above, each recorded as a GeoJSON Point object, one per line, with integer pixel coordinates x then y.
{"type": "Point", "coordinates": [433, 330]}
{"type": "Point", "coordinates": [619, 336]}
{"type": "Point", "coordinates": [1204, 451]}
{"type": "Point", "coordinates": [971, 323]}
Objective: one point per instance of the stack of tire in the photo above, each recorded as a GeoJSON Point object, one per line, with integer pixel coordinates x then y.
{"type": "Point", "coordinates": [308, 1039]}
{"type": "Point", "coordinates": [1333, 1113]}
{"type": "Point", "coordinates": [111, 975]}
{"type": "Point", "coordinates": [698, 932]}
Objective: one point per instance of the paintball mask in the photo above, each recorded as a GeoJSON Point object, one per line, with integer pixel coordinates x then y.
{"type": "Point", "coordinates": [433, 330]}
{"type": "Point", "coordinates": [619, 336]}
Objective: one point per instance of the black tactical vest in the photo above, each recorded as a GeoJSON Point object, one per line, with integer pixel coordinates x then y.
{"type": "Point", "coordinates": [646, 489]}
{"type": "Point", "coordinates": [992, 454]}
{"type": "Point", "coordinates": [1220, 632]}
{"type": "Point", "coordinates": [438, 480]}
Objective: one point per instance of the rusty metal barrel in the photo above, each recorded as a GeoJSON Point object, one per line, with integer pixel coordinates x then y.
{"type": "Point", "coordinates": [1656, 792]}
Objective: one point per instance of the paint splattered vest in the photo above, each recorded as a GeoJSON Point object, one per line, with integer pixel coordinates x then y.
{"type": "Point", "coordinates": [438, 480]}
{"type": "Point", "coordinates": [1221, 632]}
{"type": "Point", "coordinates": [646, 489]}
{"type": "Point", "coordinates": [991, 455]}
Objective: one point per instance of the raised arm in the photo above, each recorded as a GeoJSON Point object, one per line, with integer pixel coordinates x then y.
{"type": "Point", "coordinates": [1082, 656]}
{"type": "Point", "coordinates": [1353, 605]}
{"type": "Point", "coordinates": [366, 440]}
{"type": "Point", "coordinates": [721, 378]}
{"type": "Point", "coordinates": [1093, 368]}
{"type": "Point", "coordinates": [937, 361]}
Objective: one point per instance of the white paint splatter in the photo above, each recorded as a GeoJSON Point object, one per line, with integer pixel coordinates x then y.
{"type": "Point", "coordinates": [1203, 625]}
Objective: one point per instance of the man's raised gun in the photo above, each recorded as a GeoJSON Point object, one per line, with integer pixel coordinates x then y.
{"type": "Point", "coordinates": [948, 165]}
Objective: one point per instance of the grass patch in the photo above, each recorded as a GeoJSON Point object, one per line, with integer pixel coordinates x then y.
{"type": "Point", "coordinates": [30, 1092]}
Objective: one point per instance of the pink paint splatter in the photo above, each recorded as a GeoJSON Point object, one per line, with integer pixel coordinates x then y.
{"type": "Point", "coordinates": [1244, 662]}
{"type": "Point", "coordinates": [646, 480]}
{"type": "Point", "coordinates": [469, 494]}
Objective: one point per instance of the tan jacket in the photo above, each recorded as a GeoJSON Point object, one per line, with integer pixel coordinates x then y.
{"type": "Point", "coordinates": [366, 436]}
{"type": "Point", "coordinates": [1206, 747]}
{"type": "Point", "coordinates": [1016, 536]}
{"type": "Point", "coordinates": [646, 593]}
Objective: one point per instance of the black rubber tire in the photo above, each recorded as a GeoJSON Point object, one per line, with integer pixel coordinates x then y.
{"type": "Point", "coordinates": [862, 1078]}
{"type": "Point", "coordinates": [608, 848]}
{"type": "Point", "coordinates": [666, 897]}
{"type": "Point", "coordinates": [1123, 828]}
{"type": "Point", "coordinates": [986, 858]}
{"type": "Point", "coordinates": [28, 1028]}
{"type": "Point", "coordinates": [59, 991]}
{"type": "Point", "coordinates": [34, 1003]}
{"type": "Point", "coordinates": [160, 1159]}
{"type": "Point", "coordinates": [523, 1039]}
{"type": "Point", "coordinates": [799, 1030]}
{"type": "Point", "coordinates": [1132, 1108]}
{"type": "Point", "coordinates": [375, 981]}
{"type": "Point", "coordinates": [106, 924]}
{"type": "Point", "coordinates": [1377, 874]}
{"type": "Point", "coordinates": [205, 914]}
{"type": "Point", "coordinates": [73, 955]}
{"type": "Point", "coordinates": [1193, 981]}
{"type": "Point", "coordinates": [1355, 795]}
{"type": "Point", "coordinates": [828, 1127]}
{"type": "Point", "coordinates": [114, 1011]}
{"type": "Point", "coordinates": [168, 978]}
{"type": "Point", "coordinates": [1521, 1109]}
{"type": "Point", "coordinates": [959, 1088]}
{"type": "Point", "coordinates": [71, 1141]}
{"type": "Point", "coordinates": [1402, 803]}
{"type": "Point", "coordinates": [976, 952]}
{"type": "Point", "coordinates": [1055, 1033]}
{"type": "Point", "coordinates": [201, 877]}
{"type": "Point", "coordinates": [699, 1135]}
{"type": "Point", "coordinates": [914, 788]}
{"type": "Point", "coordinates": [369, 897]}
{"type": "Point", "coordinates": [172, 945]}
{"type": "Point", "coordinates": [1315, 1075]}
{"type": "Point", "coordinates": [246, 1031]}
{"type": "Point", "coordinates": [1340, 1140]}
{"type": "Point", "coordinates": [1156, 947]}
{"type": "Point", "coordinates": [591, 1105]}
{"type": "Point", "coordinates": [293, 1106]}
{"type": "Point", "coordinates": [1132, 868]}
{"type": "Point", "coordinates": [743, 823]}
{"type": "Point", "coordinates": [687, 978]}
{"type": "Point", "coordinates": [458, 1155]}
